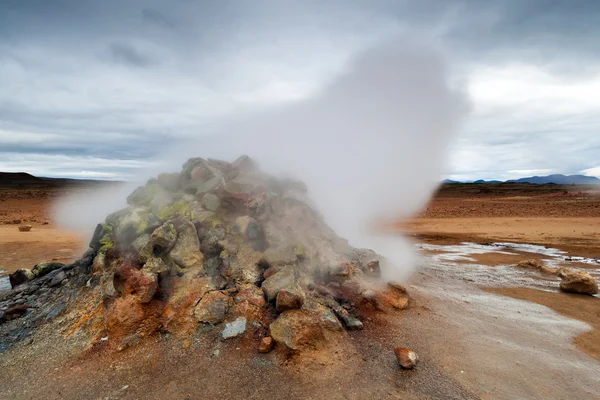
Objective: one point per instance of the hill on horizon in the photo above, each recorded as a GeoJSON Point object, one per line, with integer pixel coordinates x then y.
{"type": "Point", "coordinates": [24, 179]}
{"type": "Point", "coordinates": [558, 179]}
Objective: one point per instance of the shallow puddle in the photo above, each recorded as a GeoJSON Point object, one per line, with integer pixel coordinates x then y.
{"type": "Point", "coordinates": [461, 261]}
{"type": "Point", "coordinates": [4, 282]}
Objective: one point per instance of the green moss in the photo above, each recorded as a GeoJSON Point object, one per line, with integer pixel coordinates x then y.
{"type": "Point", "coordinates": [105, 248]}
{"type": "Point", "coordinates": [106, 237]}
{"type": "Point", "coordinates": [180, 207]}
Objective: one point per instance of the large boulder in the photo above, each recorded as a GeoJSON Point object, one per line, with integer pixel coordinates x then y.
{"type": "Point", "coordinates": [298, 330]}
{"type": "Point", "coordinates": [282, 280]}
{"type": "Point", "coordinates": [577, 282]}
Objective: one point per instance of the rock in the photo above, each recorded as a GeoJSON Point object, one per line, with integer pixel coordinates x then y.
{"type": "Point", "coordinates": [23, 275]}
{"type": "Point", "coordinates": [213, 308]}
{"type": "Point", "coordinates": [288, 300]}
{"type": "Point", "coordinates": [142, 196]}
{"type": "Point", "coordinates": [406, 357]}
{"type": "Point", "coordinates": [141, 283]}
{"type": "Point", "coordinates": [186, 251]}
{"type": "Point", "coordinates": [137, 222]}
{"type": "Point", "coordinates": [373, 269]}
{"type": "Point", "coordinates": [245, 163]}
{"type": "Point", "coordinates": [577, 282]}
{"type": "Point", "coordinates": [15, 312]}
{"type": "Point", "coordinates": [25, 228]}
{"type": "Point", "coordinates": [397, 286]}
{"type": "Point", "coordinates": [266, 345]}
{"type": "Point", "coordinates": [20, 276]}
{"type": "Point", "coordinates": [243, 266]}
{"type": "Point", "coordinates": [95, 241]}
{"type": "Point", "coordinates": [252, 232]}
{"type": "Point", "coordinates": [234, 328]}
{"type": "Point", "coordinates": [269, 272]}
{"type": "Point", "coordinates": [284, 279]}
{"type": "Point", "coordinates": [211, 202]}
{"type": "Point", "coordinates": [280, 256]}
{"type": "Point", "coordinates": [531, 263]}
{"type": "Point", "coordinates": [161, 241]}
{"type": "Point", "coordinates": [57, 279]}
{"type": "Point", "coordinates": [162, 198]}
{"type": "Point", "coordinates": [298, 329]}
{"type": "Point", "coordinates": [209, 185]}
{"type": "Point", "coordinates": [129, 341]}
{"type": "Point", "coordinates": [169, 181]}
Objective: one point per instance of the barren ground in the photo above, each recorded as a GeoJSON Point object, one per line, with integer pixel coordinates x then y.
{"type": "Point", "coordinates": [474, 340]}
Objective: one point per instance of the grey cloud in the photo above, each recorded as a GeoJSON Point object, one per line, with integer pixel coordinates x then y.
{"type": "Point", "coordinates": [128, 54]}
{"type": "Point", "coordinates": [148, 72]}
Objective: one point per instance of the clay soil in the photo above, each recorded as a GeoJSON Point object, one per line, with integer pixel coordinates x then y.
{"type": "Point", "coordinates": [451, 366]}
{"type": "Point", "coordinates": [46, 241]}
{"type": "Point", "coordinates": [566, 217]}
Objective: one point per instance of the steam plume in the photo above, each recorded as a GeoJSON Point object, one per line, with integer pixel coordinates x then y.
{"type": "Point", "coordinates": [370, 145]}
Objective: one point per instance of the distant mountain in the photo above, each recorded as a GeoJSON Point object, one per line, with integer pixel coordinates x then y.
{"type": "Point", "coordinates": [25, 180]}
{"type": "Point", "coordinates": [18, 178]}
{"type": "Point", "coordinates": [482, 181]}
{"type": "Point", "coordinates": [540, 180]}
{"type": "Point", "coordinates": [559, 180]}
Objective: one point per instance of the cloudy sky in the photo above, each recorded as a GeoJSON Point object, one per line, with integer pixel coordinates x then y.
{"type": "Point", "coordinates": [97, 89]}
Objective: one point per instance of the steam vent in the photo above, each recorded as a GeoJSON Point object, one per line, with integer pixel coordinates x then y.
{"type": "Point", "coordinates": [220, 251]}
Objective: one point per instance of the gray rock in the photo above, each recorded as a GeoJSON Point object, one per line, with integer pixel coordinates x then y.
{"type": "Point", "coordinates": [169, 181]}
{"type": "Point", "coordinates": [234, 328]}
{"type": "Point", "coordinates": [284, 279]}
{"type": "Point", "coordinates": [58, 278]}
{"type": "Point", "coordinates": [280, 256]}
{"type": "Point", "coordinates": [186, 251]}
{"type": "Point", "coordinates": [211, 202]}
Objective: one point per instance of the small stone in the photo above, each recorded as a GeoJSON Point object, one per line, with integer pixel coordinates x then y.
{"type": "Point", "coordinates": [15, 312]}
{"type": "Point", "coordinates": [25, 228]}
{"type": "Point", "coordinates": [234, 328]}
{"type": "Point", "coordinates": [283, 279]}
{"type": "Point", "coordinates": [288, 300]}
{"type": "Point", "coordinates": [213, 307]}
{"type": "Point", "coordinates": [406, 357]}
{"type": "Point", "coordinates": [266, 345]}
{"type": "Point", "coordinates": [129, 341]}
{"type": "Point", "coordinates": [57, 279]}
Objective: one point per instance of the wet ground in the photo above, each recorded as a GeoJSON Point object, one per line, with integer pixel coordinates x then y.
{"type": "Point", "coordinates": [493, 264]}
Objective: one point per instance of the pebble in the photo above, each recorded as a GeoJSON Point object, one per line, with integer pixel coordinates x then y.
{"type": "Point", "coordinates": [234, 328]}
{"type": "Point", "coordinates": [406, 357]}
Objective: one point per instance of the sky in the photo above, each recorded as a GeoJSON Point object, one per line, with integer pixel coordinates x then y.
{"type": "Point", "coordinates": [98, 89]}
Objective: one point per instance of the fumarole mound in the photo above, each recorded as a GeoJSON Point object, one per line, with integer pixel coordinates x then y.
{"type": "Point", "coordinates": [219, 249]}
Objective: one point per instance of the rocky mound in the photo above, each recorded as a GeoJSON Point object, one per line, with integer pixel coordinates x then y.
{"type": "Point", "coordinates": [219, 249]}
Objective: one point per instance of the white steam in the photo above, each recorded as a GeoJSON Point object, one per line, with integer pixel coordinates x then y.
{"type": "Point", "coordinates": [370, 145]}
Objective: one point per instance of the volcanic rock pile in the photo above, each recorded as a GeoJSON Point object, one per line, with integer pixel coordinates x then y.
{"type": "Point", "coordinates": [219, 248]}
